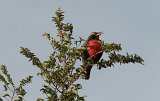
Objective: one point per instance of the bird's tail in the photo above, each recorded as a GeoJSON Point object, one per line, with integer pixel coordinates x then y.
{"type": "Point", "coordinates": [87, 72]}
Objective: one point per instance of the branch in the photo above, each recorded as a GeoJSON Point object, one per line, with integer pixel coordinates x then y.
{"type": "Point", "coordinates": [118, 58]}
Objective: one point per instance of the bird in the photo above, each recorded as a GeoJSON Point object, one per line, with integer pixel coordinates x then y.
{"type": "Point", "coordinates": [93, 51]}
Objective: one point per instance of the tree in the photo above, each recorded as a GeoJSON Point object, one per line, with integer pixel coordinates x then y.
{"type": "Point", "coordinates": [60, 72]}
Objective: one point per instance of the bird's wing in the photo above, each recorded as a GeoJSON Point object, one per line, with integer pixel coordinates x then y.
{"type": "Point", "coordinates": [85, 54]}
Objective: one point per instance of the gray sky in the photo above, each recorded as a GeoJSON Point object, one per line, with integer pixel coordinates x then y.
{"type": "Point", "coordinates": [133, 23]}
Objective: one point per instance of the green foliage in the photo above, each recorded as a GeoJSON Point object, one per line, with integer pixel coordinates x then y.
{"type": "Point", "coordinates": [112, 50]}
{"type": "Point", "coordinates": [60, 71]}
{"type": "Point", "coordinates": [12, 92]}
{"type": "Point", "coordinates": [28, 54]}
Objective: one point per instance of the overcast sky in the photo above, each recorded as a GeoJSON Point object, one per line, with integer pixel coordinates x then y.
{"type": "Point", "coordinates": [133, 23]}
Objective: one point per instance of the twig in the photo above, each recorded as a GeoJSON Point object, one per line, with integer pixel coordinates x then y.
{"type": "Point", "coordinates": [6, 98]}
{"type": "Point", "coordinates": [13, 95]}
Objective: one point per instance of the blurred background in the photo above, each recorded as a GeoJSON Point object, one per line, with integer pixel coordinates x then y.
{"type": "Point", "coordinates": [133, 23]}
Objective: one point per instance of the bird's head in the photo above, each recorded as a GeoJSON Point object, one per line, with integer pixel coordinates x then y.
{"type": "Point", "coordinates": [95, 35]}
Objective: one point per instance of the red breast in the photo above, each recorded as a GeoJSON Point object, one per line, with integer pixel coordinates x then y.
{"type": "Point", "coordinates": [93, 47]}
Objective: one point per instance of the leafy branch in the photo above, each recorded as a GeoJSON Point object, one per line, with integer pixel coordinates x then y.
{"type": "Point", "coordinates": [12, 92]}
{"type": "Point", "coordinates": [60, 71]}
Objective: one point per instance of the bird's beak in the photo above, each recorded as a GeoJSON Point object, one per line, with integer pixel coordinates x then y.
{"type": "Point", "coordinates": [99, 33]}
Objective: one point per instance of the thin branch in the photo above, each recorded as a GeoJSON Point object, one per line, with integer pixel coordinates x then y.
{"type": "Point", "coordinates": [12, 98]}
{"type": "Point", "coordinates": [57, 88]}
{"type": "Point", "coordinates": [6, 98]}
{"type": "Point", "coordinates": [50, 42]}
